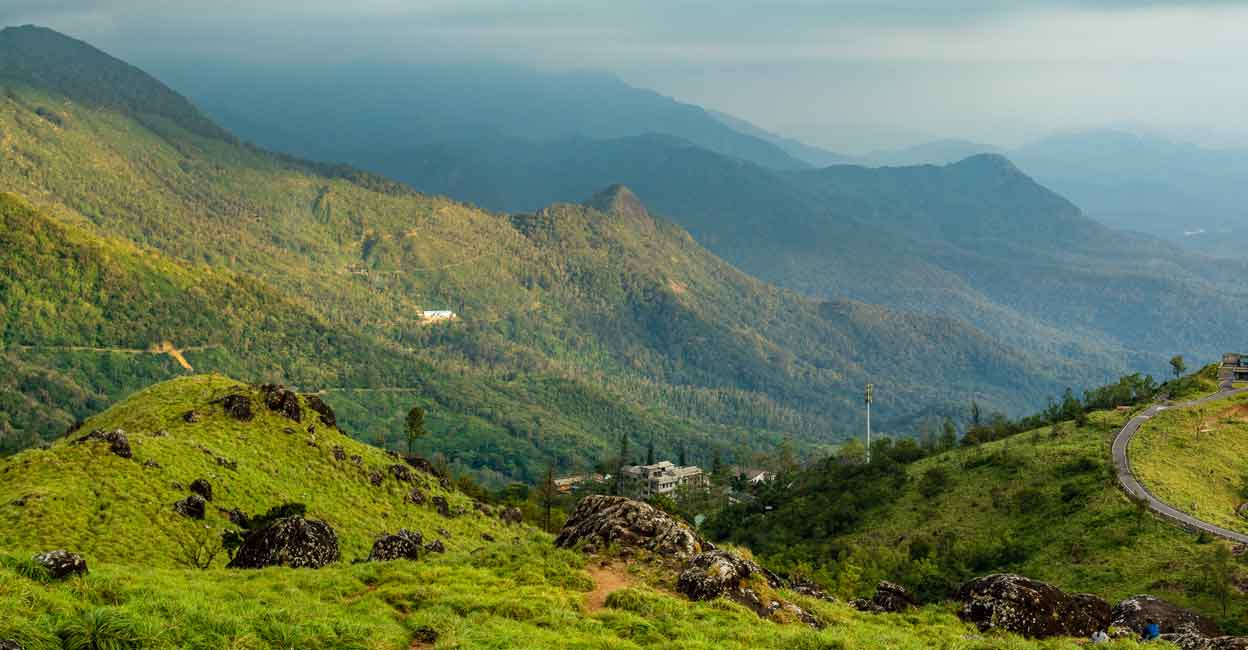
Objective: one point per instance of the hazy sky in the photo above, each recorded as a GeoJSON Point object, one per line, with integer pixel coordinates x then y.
{"type": "Point", "coordinates": [847, 74]}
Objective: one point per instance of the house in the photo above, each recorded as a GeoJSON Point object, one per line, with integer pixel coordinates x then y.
{"type": "Point", "coordinates": [661, 478]}
{"type": "Point", "coordinates": [437, 315]}
{"type": "Point", "coordinates": [570, 483]}
{"type": "Point", "coordinates": [1234, 367]}
{"type": "Point", "coordinates": [756, 476]}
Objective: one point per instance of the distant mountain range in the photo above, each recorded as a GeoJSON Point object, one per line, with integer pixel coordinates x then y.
{"type": "Point", "coordinates": [576, 323]}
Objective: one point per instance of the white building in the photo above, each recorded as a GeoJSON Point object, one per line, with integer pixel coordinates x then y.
{"type": "Point", "coordinates": [437, 315]}
{"type": "Point", "coordinates": [661, 478]}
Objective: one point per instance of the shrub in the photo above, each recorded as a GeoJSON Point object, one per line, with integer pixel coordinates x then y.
{"type": "Point", "coordinates": [102, 628]}
{"type": "Point", "coordinates": [934, 482]}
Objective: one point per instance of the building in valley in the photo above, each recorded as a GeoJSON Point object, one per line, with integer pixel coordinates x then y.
{"type": "Point", "coordinates": [661, 478]}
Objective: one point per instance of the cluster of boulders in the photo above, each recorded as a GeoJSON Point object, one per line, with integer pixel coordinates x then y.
{"type": "Point", "coordinates": [601, 522]}
{"type": "Point", "coordinates": [282, 401]}
{"type": "Point", "coordinates": [117, 441]}
{"type": "Point", "coordinates": [889, 597]}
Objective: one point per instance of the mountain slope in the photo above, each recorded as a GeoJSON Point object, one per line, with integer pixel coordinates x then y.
{"type": "Point", "coordinates": [569, 331]}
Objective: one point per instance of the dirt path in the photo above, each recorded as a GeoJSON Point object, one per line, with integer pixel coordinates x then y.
{"type": "Point", "coordinates": [164, 347]}
{"type": "Point", "coordinates": [606, 580]}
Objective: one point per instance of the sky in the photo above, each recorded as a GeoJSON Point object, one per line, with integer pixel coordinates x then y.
{"type": "Point", "coordinates": [851, 75]}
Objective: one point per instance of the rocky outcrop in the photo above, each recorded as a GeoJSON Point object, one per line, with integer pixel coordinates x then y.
{"type": "Point", "coordinates": [375, 478]}
{"type": "Point", "coordinates": [9, 644]}
{"type": "Point", "coordinates": [282, 401]}
{"type": "Point", "coordinates": [1197, 641]}
{"type": "Point", "coordinates": [238, 407]}
{"type": "Point", "coordinates": [441, 505]}
{"type": "Point", "coordinates": [889, 597]}
{"type": "Point", "coordinates": [202, 487]}
{"type": "Point", "coordinates": [339, 453]}
{"type": "Point", "coordinates": [117, 441]}
{"type": "Point", "coordinates": [193, 507]}
{"type": "Point", "coordinates": [1030, 607]}
{"type": "Point", "coordinates": [292, 542]}
{"type": "Point", "coordinates": [435, 546]}
{"type": "Point", "coordinates": [61, 564]}
{"type": "Point", "coordinates": [715, 574]}
{"type": "Point", "coordinates": [416, 496]}
{"type": "Point", "coordinates": [511, 515]}
{"type": "Point", "coordinates": [600, 521]}
{"type": "Point", "coordinates": [401, 473]}
{"type": "Point", "coordinates": [1134, 612]}
{"type": "Point", "coordinates": [322, 409]}
{"type": "Point", "coordinates": [403, 545]}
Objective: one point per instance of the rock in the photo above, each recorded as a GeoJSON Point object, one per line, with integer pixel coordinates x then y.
{"type": "Point", "coordinates": [487, 537]}
{"type": "Point", "coordinates": [1195, 641]}
{"type": "Point", "coordinates": [238, 407]}
{"type": "Point", "coordinates": [435, 546]}
{"type": "Point", "coordinates": [403, 545]}
{"type": "Point", "coordinates": [282, 401]}
{"type": "Point", "coordinates": [357, 460]}
{"type": "Point", "coordinates": [292, 542]}
{"type": "Point", "coordinates": [327, 414]}
{"type": "Point", "coordinates": [160, 433]}
{"type": "Point", "coordinates": [812, 590]}
{"type": "Point", "coordinates": [600, 521]}
{"type": "Point", "coordinates": [61, 564]}
{"type": "Point", "coordinates": [512, 515]}
{"type": "Point", "coordinates": [192, 506]}
{"type": "Point", "coordinates": [416, 496]}
{"type": "Point", "coordinates": [1030, 607]}
{"type": "Point", "coordinates": [444, 533]}
{"type": "Point", "coordinates": [9, 644]}
{"type": "Point", "coordinates": [445, 483]}
{"type": "Point", "coordinates": [425, 634]}
{"type": "Point", "coordinates": [890, 597]}
{"type": "Point", "coordinates": [312, 428]}
{"type": "Point", "coordinates": [422, 465]}
{"type": "Point", "coordinates": [402, 473]}
{"type": "Point", "coordinates": [339, 453]}
{"type": "Point", "coordinates": [117, 441]}
{"type": "Point", "coordinates": [236, 516]}
{"type": "Point", "coordinates": [375, 478]}
{"type": "Point", "coordinates": [190, 417]}
{"type": "Point", "coordinates": [440, 504]}
{"type": "Point", "coordinates": [151, 463]}
{"type": "Point", "coordinates": [717, 573]}
{"type": "Point", "coordinates": [1242, 510]}
{"type": "Point", "coordinates": [203, 488]}
{"type": "Point", "coordinates": [1135, 611]}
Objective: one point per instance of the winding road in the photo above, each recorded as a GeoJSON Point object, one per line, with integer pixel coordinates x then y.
{"type": "Point", "coordinates": [1132, 486]}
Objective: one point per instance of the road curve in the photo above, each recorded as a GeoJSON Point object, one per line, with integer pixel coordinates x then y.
{"type": "Point", "coordinates": [1132, 486]}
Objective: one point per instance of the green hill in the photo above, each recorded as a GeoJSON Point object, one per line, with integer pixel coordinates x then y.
{"type": "Point", "coordinates": [1043, 503]}
{"type": "Point", "coordinates": [575, 326]}
{"type": "Point", "coordinates": [495, 586]}
{"type": "Point", "coordinates": [1195, 460]}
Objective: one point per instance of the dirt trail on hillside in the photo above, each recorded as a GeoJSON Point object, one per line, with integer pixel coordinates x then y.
{"type": "Point", "coordinates": [607, 579]}
{"type": "Point", "coordinates": [164, 347]}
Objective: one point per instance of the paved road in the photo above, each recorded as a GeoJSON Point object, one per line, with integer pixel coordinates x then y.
{"type": "Point", "coordinates": [1122, 465]}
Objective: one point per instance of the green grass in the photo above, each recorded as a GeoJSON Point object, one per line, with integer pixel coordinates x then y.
{"type": "Point", "coordinates": [525, 595]}
{"type": "Point", "coordinates": [1195, 459]}
{"type": "Point", "coordinates": [84, 498]}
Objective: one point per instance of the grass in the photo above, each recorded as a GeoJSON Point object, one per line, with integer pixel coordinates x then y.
{"type": "Point", "coordinates": [1052, 500]}
{"type": "Point", "coordinates": [525, 595]}
{"type": "Point", "coordinates": [111, 509]}
{"type": "Point", "coordinates": [1195, 459]}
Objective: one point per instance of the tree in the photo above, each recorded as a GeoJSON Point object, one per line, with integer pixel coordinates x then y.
{"type": "Point", "coordinates": [650, 452]}
{"type": "Point", "coordinates": [976, 415]}
{"type": "Point", "coordinates": [683, 457]}
{"type": "Point", "coordinates": [948, 435]}
{"type": "Point", "coordinates": [547, 494]}
{"type": "Point", "coordinates": [415, 427]}
{"type": "Point", "coordinates": [620, 463]}
{"type": "Point", "coordinates": [1218, 567]}
{"type": "Point", "coordinates": [853, 452]}
{"type": "Point", "coordinates": [1177, 365]}
{"type": "Point", "coordinates": [717, 464]}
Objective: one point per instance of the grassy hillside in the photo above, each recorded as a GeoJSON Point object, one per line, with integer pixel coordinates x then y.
{"type": "Point", "coordinates": [1043, 503]}
{"type": "Point", "coordinates": [496, 586]}
{"type": "Point", "coordinates": [577, 324]}
{"type": "Point", "coordinates": [1195, 459]}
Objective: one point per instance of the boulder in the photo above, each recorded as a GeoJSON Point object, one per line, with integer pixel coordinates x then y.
{"type": "Point", "coordinates": [402, 473]}
{"type": "Point", "coordinates": [292, 542]}
{"type": "Point", "coordinates": [512, 515]}
{"type": "Point", "coordinates": [375, 478]}
{"type": "Point", "coordinates": [416, 496]}
{"type": "Point", "coordinates": [356, 459]}
{"type": "Point", "coordinates": [339, 453]}
{"type": "Point", "coordinates": [190, 417]}
{"type": "Point", "coordinates": [238, 407]}
{"type": "Point", "coordinates": [149, 463]}
{"type": "Point", "coordinates": [1134, 612]}
{"type": "Point", "coordinates": [1195, 641]}
{"type": "Point", "coordinates": [440, 504]}
{"type": "Point", "coordinates": [9, 644]}
{"type": "Point", "coordinates": [1030, 607]}
{"type": "Point", "coordinates": [424, 634]}
{"type": "Point", "coordinates": [717, 573]}
{"type": "Point", "coordinates": [422, 465]}
{"type": "Point", "coordinates": [890, 597]}
{"type": "Point", "coordinates": [435, 546]}
{"type": "Point", "coordinates": [811, 590]}
{"type": "Point", "coordinates": [403, 545]}
{"type": "Point", "coordinates": [282, 401]}
{"type": "Point", "coordinates": [203, 488]}
{"type": "Point", "coordinates": [61, 564]}
{"type": "Point", "coordinates": [193, 506]}
{"type": "Point", "coordinates": [322, 409]}
{"type": "Point", "coordinates": [117, 441]}
{"type": "Point", "coordinates": [600, 521]}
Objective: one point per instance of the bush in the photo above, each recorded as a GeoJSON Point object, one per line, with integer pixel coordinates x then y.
{"type": "Point", "coordinates": [934, 482]}
{"type": "Point", "coordinates": [101, 628]}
